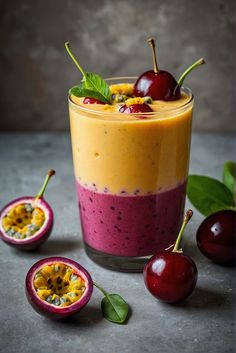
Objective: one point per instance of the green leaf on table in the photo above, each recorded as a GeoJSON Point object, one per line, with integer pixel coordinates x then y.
{"type": "Point", "coordinates": [114, 308]}
{"type": "Point", "coordinates": [229, 176]}
{"type": "Point", "coordinates": [208, 195]}
{"type": "Point", "coordinates": [80, 91]}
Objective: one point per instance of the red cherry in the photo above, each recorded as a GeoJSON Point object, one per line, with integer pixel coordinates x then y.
{"type": "Point", "coordinates": [171, 276]}
{"type": "Point", "coordinates": [88, 100]}
{"type": "Point", "coordinates": [159, 85]}
{"type": "Point", "coordinates": [216, 237]}
{"type": "Point", "coordinates": [135, 108]}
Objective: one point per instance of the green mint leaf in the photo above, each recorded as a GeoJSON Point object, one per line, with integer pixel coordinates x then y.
{"type": "Point", "coordinates": [114, 308]}
{"type": "Point", "coordinates": [92, 82]}
{"type": "Point", "coordinates": [229, 176]}
{"type": "Point", "coordinates": [208, 195]}
{"type": "Point", "coordinates": [95, 83]}
{"type": "Point", "coordinates": [80, 91]}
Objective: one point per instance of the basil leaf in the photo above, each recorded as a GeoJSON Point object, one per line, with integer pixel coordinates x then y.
{"type": "Point", "coordinates": [95, 83]}
{"type": "Point", "coordinates": [80, 91]}
{"type": "Point", "coordinates": [229, 176]}
{"type": "Point", "coordinates": [208, 195]}
{"type": "Point", "coordinates": [114, 308]}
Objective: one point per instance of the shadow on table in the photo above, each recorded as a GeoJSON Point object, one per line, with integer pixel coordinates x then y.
{"type": "Point", "coordinates": [57, 246]}
{"type": "Point", "coordinates": [90, 315]}
{"type": "Point", "coordinates": [51, 247]}
{"type": "Point", "coordinates": [203, 298]}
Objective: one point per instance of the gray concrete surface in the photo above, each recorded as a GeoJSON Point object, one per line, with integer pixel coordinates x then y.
{"type": "Point", "coordinates": [109, 37]}
{"type": "Point", "coordinates": [204, 322]}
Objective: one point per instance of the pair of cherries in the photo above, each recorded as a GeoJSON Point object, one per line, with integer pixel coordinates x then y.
{"type": "Point", "coordinates": [157, 84]}
{"type": "Point", "coordinates": [171, 276]}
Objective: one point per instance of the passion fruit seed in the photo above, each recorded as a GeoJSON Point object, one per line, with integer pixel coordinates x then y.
{"type": "Point", "coordinates": [119, 98]}
{"type": "Point", "coordinates": [58, 285]}
{"type": "Point", "coordinates": [147, 99]}
{"type": "Point", "coordinates": [29, 207]}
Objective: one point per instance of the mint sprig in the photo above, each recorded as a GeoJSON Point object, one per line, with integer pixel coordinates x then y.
{"type": "Point", "coordinates": [114, 307]}
{"type": "Point", "coordinates": [209, 195]}
{"type": "Point", "coordinates": [92, 85]}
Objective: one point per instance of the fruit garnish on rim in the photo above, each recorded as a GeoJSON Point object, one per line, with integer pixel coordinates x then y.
{"type": "Point", "coordinates": [135, 105]}
{"type": "Point", "coordinates": [92, 87]}
{"type": "Point", "coordinates": [26, 222]}
{"type": "Point", "coordinates": [161, 84]}
{"type": "Point", "coordinates": [170, 275]}
{"type": "Point", "coordinates": [58, 287]}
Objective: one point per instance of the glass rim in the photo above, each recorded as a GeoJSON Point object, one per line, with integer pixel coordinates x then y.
{"type": "Point", "coordinates": [159, 114]}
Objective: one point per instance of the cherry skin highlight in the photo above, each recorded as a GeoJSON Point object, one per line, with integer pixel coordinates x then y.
{"type": "Point", "coordinates": [135, 108]}
{"type": "Point", "coordinates": [170, 275]}
{"type": "Point", "coordinates": [88, 100]}
{"type": "Point", "coordinates": [216, 237]}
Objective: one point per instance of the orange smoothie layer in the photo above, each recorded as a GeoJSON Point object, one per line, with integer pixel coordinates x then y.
{"type": "Point", "coordinates": [120, 152]}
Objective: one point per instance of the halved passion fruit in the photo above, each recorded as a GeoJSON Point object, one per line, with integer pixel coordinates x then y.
{"type": "Point", "coordinates": [58, 287]}
{"type": "Point", "coordinates": [26, 222]}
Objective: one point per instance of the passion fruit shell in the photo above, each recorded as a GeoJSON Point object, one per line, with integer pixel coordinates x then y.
{"type": "Point", "coordinates": [40, 236]}
{"type": "Point", "coordinates": [26, 222]}
{"type": "Point", "coordinates": [58, 273]}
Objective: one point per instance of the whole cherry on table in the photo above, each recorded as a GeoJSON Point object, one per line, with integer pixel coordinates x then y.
{"type": "Point", "coordinates": [170, 275]}
{"type": "Point", "coordinates": [216, 237]}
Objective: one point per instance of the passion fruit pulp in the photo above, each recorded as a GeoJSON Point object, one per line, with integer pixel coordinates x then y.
{"type": "Point", "coordinates": [57, 287]}
{"type": "Point", "coordinates": [26, 222]}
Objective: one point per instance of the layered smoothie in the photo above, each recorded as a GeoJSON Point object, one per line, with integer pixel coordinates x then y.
{"type": "Point", "coordinates": [131, 172]}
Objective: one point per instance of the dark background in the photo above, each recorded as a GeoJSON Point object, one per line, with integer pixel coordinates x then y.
{"type": "Point", "coordinates": [109, 37]}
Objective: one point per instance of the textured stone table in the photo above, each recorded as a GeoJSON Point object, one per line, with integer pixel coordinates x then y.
{"type": "Point", "coordinates": [204, 322]}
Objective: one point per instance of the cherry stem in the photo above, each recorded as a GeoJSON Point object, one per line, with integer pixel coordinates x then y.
{"type": "Point", "coordinates": [50, 173]}
{"type": "Point", "coordinates": [100, 288]}
{"type": "Point", "coordinates": [154, 56]}
{"type": "Point", "coordinates": [197, 63]}
{"type": "Point", "coordinates": [187, 217]}
{"type": "Point", "coordinates": [67, 46]}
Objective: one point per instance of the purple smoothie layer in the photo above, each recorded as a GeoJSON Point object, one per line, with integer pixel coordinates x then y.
{"type": "Point", "coordinates": [130, 225]}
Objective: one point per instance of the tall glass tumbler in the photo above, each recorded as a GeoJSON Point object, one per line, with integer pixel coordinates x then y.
{"type": "Point", "coordinates": [131, 177]}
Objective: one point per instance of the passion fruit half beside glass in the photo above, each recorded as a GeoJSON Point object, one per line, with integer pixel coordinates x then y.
{"type": "Point", "coordinates": [57, 287]}
{"type": "Point", "coordinates": [26, 222]}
